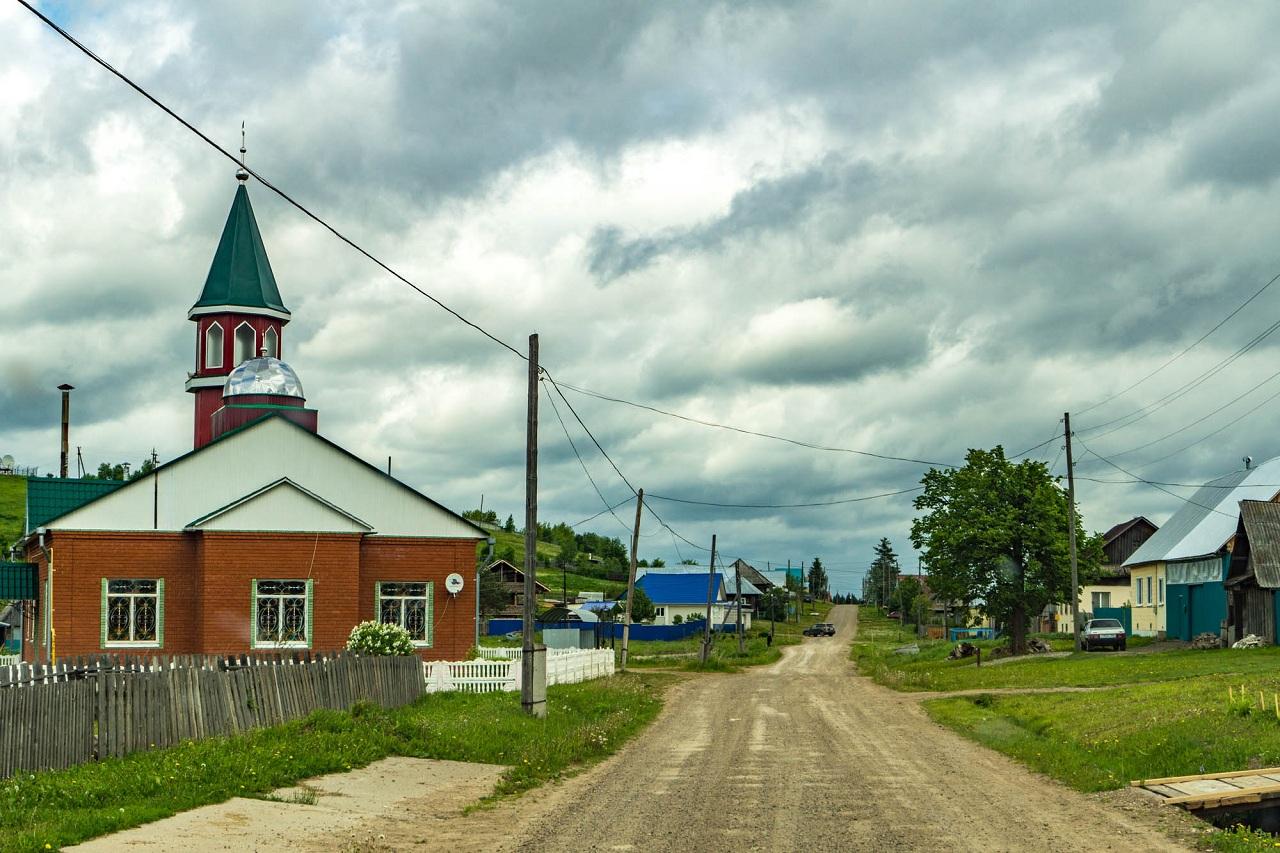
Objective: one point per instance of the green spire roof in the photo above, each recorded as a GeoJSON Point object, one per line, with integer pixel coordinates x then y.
{"type": "Point", "coordinates": [241, 274]}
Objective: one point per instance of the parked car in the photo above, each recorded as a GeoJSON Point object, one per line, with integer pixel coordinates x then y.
{"type": "Point", "coordinates": [814, 631]}
{"type": "Point", "coordinates": [1102, 632]}
{"type": "Point", "coordinates": [828, 629]}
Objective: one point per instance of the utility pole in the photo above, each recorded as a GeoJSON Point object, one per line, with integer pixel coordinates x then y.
{"type": "Point", "coordinates": [631, 580]}
{"type": "Point", "coordinates": [711, 582]}
{"type": "Point", "coordinates": [1071, 534]}
{"type": "Point", "coordinates": [533, 672]}
{"type": "Point", "coordinates": [737, 601]}
{"type": "Point", "coordinates": [66, 427]}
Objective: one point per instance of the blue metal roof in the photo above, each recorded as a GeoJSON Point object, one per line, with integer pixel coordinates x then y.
{"type": "Point", "coordinates": [679, 589]}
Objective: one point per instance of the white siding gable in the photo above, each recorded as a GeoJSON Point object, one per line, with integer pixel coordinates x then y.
{"type": "Point", "coordinates": [283, 507]}
{"type": "Point", "coordinates": [242, 463]}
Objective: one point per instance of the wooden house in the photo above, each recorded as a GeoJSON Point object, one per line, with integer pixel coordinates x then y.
{"type": "Point", "coordinates": [512, 579]}
{"type": "Point", "coordinates": [1254, 572]}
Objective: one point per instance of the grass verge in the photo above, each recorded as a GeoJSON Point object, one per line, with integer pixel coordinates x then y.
{"type": "Point", "coordinates": [930, 670]}
{"type": "Point", "coordinates": [585, 722]}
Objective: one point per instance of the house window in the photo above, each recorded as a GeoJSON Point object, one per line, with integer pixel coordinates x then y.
{"type": "Point", "coordinates": [1101, 599]}
{"type": "Point", "coordinates": [271, 343]}
{"type": "Point", "coordinates": [1138, 592]}
{"type": "Point", "coordinates": [659, 612]}
{"type": "Point", "coordinates": [409, 605]}
{"type": "Point", "coordinates": [282, 614]}
{"type": "Point", "coordinates": [1150, 600]}
{"type": "Point", "coordinates": [244, 343]}
{"type": "Point", "coordinates": [132, 612]}
{"type": "Point", "coordinates": [213, 345]}
{"type": "Point", "coordinates": [1160, 587]}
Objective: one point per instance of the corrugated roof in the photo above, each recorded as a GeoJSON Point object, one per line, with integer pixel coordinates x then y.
{"type": "Point", "coordinates": [752, 574]}
{"type": "Point", "coordinates": [748, 588]}
{"type": "Point", "coordinates": [1261, 522]}
{"type": "Point", "coordinates": [1208, 520]}
{"type": "Point", "coordinates": [680, 588]}
{"type": "Point", "coordinates": [240, 273]}
{"type": "Point", "coordinates": [50, 497]}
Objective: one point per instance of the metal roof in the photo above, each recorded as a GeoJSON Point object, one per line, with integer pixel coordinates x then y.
{"type": "Point", "coordinates": [751, 573]}
{"type": "Point", "coordinates": [241, 274]}
{"type": "Point", "coordinates": [1208, 519]}
{"type": "Point", "coordinates": [748, 588]}
{"type": "Point", "coordinates": [50, 497]}
{"type": "Point", "coordinates": [680, 588]}
{"type": "Point", "coordinates": [1261, 523]}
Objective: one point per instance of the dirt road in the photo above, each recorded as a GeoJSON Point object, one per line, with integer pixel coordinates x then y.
{"type": "Point", "coordinates": [806, 755]}
{"type": "Point", "coordinates": [803, 755]}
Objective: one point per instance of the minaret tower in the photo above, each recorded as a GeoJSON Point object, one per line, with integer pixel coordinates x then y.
{"type": "Point", "coordinates": [239, 314]}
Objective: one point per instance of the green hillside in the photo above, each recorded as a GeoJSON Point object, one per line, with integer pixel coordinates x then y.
{"type": "Point", "coordinates": [13, 509]}
{"type": "Point", "coordinates": [515, 541]}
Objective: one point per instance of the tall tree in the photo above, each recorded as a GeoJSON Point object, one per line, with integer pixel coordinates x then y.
{"type": "Point", "coordinates": [882, 578]}
{"type": "Point", "coordinates": [996, 531]}
{"type": "Point", "coordinates": [818, 583]}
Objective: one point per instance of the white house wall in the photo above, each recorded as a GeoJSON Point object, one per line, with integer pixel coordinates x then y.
{"type": "Point", "coordinates": [242, 463]}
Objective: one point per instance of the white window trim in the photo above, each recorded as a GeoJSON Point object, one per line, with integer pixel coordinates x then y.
{"type": "Point", "coordinates": [158, 642]}
{"type": "Point", "coordinates": [431, 616]}
{"type": "Point", "coordinates": [1138, 593]}
{"type": "Point", "coordinates": [221, 348]}
{"type": "Point", "coordinates": [235, 340]}
{"type": "Point", "coordinates": [271, 333]}
{"type": "Point", "coordinates": [305, 643]}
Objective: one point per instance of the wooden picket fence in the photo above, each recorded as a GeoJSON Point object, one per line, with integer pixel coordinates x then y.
{"type": "Point", "coordinates": [52, 717]}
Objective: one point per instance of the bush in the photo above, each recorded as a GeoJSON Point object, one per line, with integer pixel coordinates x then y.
{"type": "Point", "coordinates": [677, 619]}
{"type": "Point", "coordinates": [378, 638]}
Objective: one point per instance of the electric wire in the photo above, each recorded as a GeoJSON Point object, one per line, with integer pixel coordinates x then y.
{"type": "Point", "coordinates": [1150, 483]}
{"type": "Point", "coordinates": [583, 463]}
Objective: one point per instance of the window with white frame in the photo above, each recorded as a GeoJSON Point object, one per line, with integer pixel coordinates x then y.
{"type": "Point", "coordinates": [213, 341]}
{"type": "Point", "coordinates": [1101, 599]}
{"type": "Point", "coordinates": [1138, 592]}
{"type": "Point", "coordinates": [282, 613]}
{"type": "Point", "coordinates": [245, 339]}
{"type": "Point", "coordinates": [132, 612]}
{"type": "Point", "coordinates": [271, 342]}
{"type": "Point", "coordinates": [1150, 600]}
{"type": "Point", "coordinates": [1160, 588]}
{"type": "Point", "coordinates": [659, 611]}
{"type": "Point", "coordinates": [409, 605]}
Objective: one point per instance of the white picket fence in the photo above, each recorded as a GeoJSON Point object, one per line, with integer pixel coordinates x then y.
{"type": "Point", "coordinates": [487, 675]}
{"type": "Point", "coordinates": [10, 660]}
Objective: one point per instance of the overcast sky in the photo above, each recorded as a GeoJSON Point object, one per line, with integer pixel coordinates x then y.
{"type": "Point", "coordinates": [908, 229]}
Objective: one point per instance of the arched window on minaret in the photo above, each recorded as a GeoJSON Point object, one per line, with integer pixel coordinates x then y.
{"type": "Point", "coordinates": [213, 346]}
{"type": "Point", "coordinates": [271, 343]}
{"type": "Point", "coordinates": [245, 340]}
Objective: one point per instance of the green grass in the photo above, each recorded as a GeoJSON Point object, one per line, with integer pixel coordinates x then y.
{"type": "Point", "coordinates": [554, 579]}
{"type": "Point", "coordinates": [13, 509]}
{"type": "Point", "coordinates": [515, 541]}
{"type": "Point", "coordinates": [585, 722]}
{"type": "Point", "coordinates": [930, 669]}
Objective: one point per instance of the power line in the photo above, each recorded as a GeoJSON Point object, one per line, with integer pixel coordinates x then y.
{"type": "Point", "coordinates": [585, 470]}
{"type": "Point", "coordinates": [1195, 344]}
{"type": "Point", "coordinates": [1150, 483]}
{"type": "Point", "coordinates": [784, 506]}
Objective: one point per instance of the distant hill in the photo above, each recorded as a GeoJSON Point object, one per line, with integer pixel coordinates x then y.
{"type": "Point", "coordinates": [13, 509]}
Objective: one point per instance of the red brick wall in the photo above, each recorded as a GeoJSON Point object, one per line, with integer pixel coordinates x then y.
{"type": "Point", "coordinates": [406, 559]}
{"type": "Point", "coordinates": [208, 590]}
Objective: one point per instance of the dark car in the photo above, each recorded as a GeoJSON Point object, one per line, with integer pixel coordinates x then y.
{"type": "Point", "coordinates": [1099, 633]}
{"type": "Point", "coordinates": [828, 630]}
{"type": "Point", "coordinates": [814, 631]}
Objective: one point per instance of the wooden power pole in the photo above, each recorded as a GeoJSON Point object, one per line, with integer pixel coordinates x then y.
{"type": "Point", "coordinates": [711, 582]}
{"type": "Point", "coordinates": [1071, 533]}
{"type": "Point", "coordinates": [533, 673]}
{"type": "Point", "coordinates": [737, 603]}
{"type": "Point", "coordinates": [631, 579]}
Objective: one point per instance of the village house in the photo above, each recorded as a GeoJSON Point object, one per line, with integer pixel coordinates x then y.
{"type": "Point", "coordinates": [1176, 576]}
{"type": "Point", "coordinates": [684, 595]}
{"type": "Point", "coordinates": [512, 579]}
{"type": "Point", "coordinates": [1112, 589]}
{"type": "Point", "coordinates": [1254, 573]}
{"type": "Point", "coordinates": [266, 535]}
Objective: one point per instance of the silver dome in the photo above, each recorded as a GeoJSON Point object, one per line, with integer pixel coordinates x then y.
{"type": "Point", "coordinates": [263, 375]}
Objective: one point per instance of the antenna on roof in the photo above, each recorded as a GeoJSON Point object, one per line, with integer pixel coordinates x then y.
{"type": "Point", "coordinates": [242, 174]}
{"type": "Point", "coordinates": [6, 464]}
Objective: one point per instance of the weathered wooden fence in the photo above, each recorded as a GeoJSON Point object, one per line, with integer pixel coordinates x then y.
{"type": "Point", "coordinates": [53, 717]}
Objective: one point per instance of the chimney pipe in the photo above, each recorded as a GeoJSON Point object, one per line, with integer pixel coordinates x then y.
{"type": "Point", "coordinates": [66, 427]}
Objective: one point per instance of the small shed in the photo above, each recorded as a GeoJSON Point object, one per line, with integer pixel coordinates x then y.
{"type": "Point", "coordinates": [1254, 573]}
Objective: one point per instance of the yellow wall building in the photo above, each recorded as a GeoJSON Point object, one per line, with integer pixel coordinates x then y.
{"type": "Point", "coordinates": [1147, 598]}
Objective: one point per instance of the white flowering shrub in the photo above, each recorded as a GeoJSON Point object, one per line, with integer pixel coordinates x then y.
{"type": "Point", "coordinates": [379, 638]}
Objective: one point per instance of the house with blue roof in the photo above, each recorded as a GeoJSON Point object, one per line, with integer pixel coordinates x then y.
{"type": "Point", "coordinates": [684, 594]}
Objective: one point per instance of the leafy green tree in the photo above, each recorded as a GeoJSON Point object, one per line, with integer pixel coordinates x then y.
{"type": "Point", "coordinates": [688, 562]}
{"type": "Point", "coordinates": [996, 531]}
{"type": "Point", "coordinates": [642, 608]}
{"type": "Point", "coordinates": [773, 604]}
{"type": "Point", "coordinates": [658, 563]}
{"type": "Point", "coordinates": [510, 525]}
{"type": "Point", "coordinates": [908, 598]}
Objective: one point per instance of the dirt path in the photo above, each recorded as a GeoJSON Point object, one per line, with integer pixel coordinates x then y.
{"type": "Point", "coordinates": [802, 755]}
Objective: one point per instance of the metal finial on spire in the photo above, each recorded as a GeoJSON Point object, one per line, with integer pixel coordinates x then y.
{"type": "Point", "coordinates": [242, 174]}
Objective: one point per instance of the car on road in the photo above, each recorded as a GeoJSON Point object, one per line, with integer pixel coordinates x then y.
{"type": "Point", "coordinates": [1100, 633]}
{"type": "Point", "coordinates": [820, 629]}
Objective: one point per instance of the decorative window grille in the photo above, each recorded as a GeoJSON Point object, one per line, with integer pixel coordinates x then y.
{"type": "Point", "coordinates": [245, 340]}
{"type": "Point", "coordinates": [213, 345]}
{"type": "Point", "coordinates": [282, 614]}
{"type": "Point", "coordinates": [409, 605]}
{"type": "Point", "coordinates": [133, 612]}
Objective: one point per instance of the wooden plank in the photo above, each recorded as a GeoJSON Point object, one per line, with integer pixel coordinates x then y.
{"type": "Point", "coordinates": [1214, 798]}
{"type": "Point", "coordinates": [1142, 783]}
{"type": "Point", "coordinates": [1204, 786]}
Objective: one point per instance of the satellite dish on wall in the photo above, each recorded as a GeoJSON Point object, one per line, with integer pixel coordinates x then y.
{"type": "Point", "coordinates": [453, 583]}
{"type": "Point", "coordinates": [6, 464]}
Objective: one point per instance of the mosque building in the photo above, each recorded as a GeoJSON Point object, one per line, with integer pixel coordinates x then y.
{"type": "Point", "coordinates": [266, 535]}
